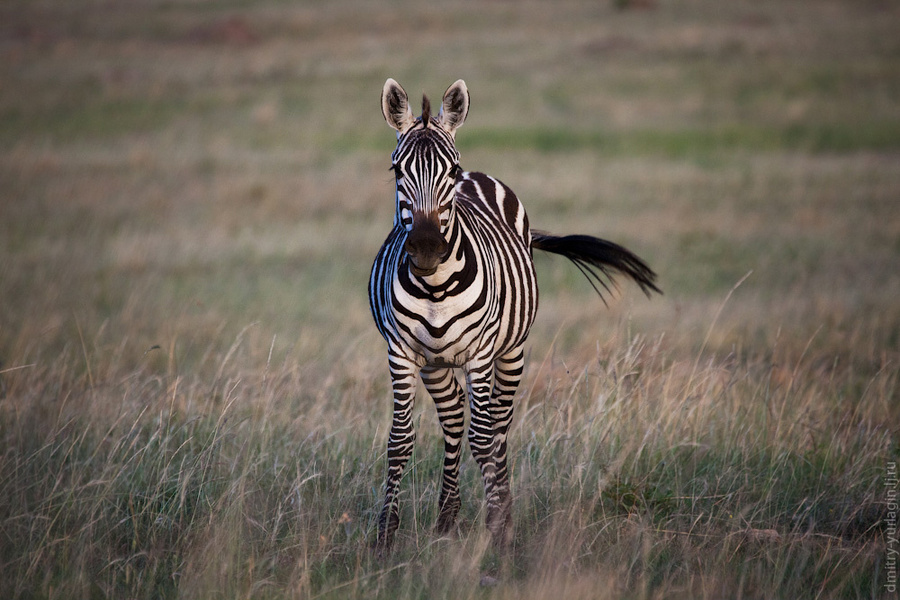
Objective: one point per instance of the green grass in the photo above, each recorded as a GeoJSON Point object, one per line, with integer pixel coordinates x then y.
{"type": "Point", "coordinates": [195, 403]}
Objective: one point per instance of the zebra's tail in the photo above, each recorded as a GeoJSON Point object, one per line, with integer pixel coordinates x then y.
{"type": "Point", "coordinates": [599, 260]}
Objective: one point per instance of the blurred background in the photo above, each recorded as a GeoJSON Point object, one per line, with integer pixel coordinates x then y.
{"type": "Point", "coordinates": [174, 172]}
{"type": "Point", "coordinates": [194, 400]}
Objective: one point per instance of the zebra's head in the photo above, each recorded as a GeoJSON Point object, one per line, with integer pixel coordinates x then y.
{"type": "Point", "coordinates": [426, 165]}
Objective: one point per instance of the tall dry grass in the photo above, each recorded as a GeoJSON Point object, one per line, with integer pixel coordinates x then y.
{"type": "Point", "coordinates": [635, 472]}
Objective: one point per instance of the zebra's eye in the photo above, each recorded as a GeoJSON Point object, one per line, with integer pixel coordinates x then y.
{"type": "Point", "coordinates": [406, 218]}
{"type": "Point", "coordinates": [455, 170]}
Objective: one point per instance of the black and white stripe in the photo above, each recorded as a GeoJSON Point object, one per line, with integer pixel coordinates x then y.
{"type": "Point", "coordinates": [454, 286]}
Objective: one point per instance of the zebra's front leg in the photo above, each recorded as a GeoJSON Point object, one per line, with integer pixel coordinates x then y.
{"type": "Point", "coordinates": [449, 399]}
{"type": "Point", "coordinates": [400, 446]}
{"type": "Point", "coordinates": [508, 371]}
{"type": "Point", "coordinates": [490, 421]}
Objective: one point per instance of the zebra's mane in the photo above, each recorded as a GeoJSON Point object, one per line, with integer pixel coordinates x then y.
{"type": "Point", "coordinates": [426, 111]}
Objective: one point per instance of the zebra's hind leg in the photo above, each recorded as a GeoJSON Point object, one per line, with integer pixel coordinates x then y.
{"type": "Point", "coordinates": [400, 446]}
{"type": "Point", "coordinates": [492, 412]}
{"type": "Point", "coordinates": [449, 400]}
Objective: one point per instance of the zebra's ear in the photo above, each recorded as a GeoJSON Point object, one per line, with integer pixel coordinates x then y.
{"type": "Point", "coordinates": [395, 106]}
{"type": "Point", "coordinates": [454, 107]}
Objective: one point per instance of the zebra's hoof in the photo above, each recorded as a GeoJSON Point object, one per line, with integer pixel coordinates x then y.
{"type": "Point", "coordinates": [381, 548]}
{"type": "Point", "coordinates": [446, 527]}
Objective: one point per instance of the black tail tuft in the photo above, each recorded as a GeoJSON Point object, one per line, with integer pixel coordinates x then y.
{"type": "Point", "coordinates": [599, 260]}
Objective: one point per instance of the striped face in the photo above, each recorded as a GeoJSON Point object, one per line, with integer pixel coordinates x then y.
{"type": "Point", "coordinates": [426, 166]}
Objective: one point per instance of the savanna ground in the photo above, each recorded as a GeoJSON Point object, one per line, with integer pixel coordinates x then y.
{"type": "Point", "coordinates": [194, 402]}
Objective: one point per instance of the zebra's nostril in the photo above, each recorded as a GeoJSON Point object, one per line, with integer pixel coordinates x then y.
{"type": "Point", "coordinates": [426, 241]}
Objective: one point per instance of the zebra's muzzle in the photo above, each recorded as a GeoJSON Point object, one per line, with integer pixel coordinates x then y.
{"type": "Point", "coordinates": [426, 247]}
{"type": "Point", "coordinates": [418, 272]}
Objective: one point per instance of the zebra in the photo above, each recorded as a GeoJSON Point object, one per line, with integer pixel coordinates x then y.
{"type": "Point", "coordinates": [453, 287]}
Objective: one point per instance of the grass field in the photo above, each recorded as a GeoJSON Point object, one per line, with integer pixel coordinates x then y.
{"type": "Point", "coordinates": [194, 401]}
